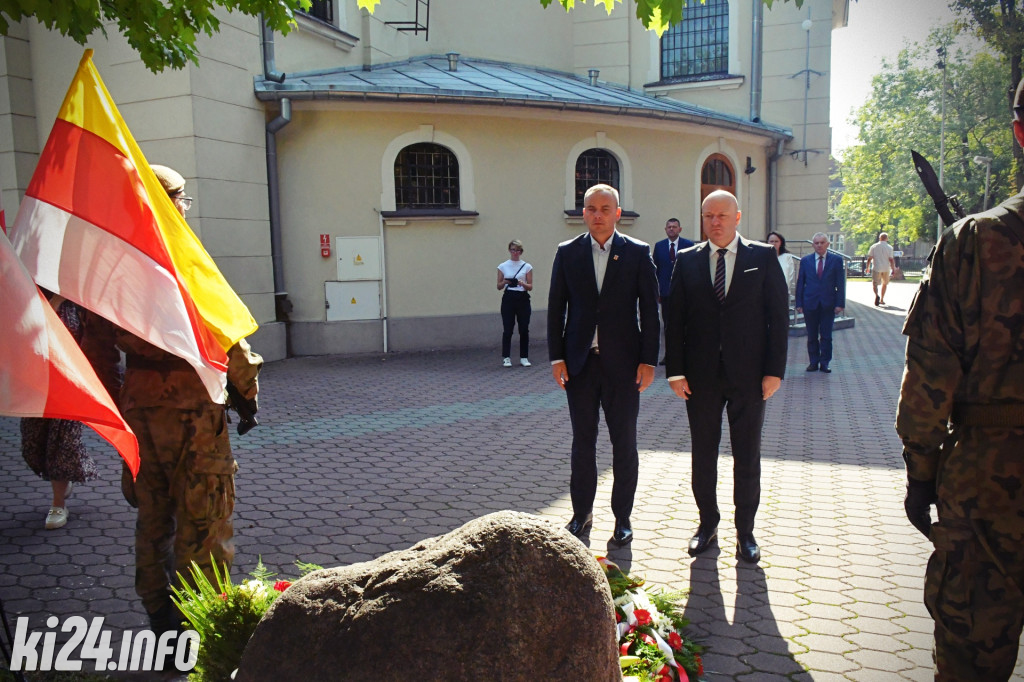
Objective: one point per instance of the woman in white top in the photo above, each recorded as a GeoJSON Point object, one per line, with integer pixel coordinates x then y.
{"type": "Point", "coordinates": [790, 263]}
{"type": "Point", "coordinates": [515, 278]}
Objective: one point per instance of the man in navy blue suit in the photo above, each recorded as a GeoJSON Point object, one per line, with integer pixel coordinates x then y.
{"type": "Point", "coordinates": [603, 336]}
{"type": "Point", "coordinates": [665, 259]}
{"type": "Point", "coordinates": [820, 296]}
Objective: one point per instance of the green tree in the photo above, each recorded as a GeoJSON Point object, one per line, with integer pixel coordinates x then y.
{"type": "Point", "coordinates": [163, 32]}
{"type": "Point", "coordinates": [1000, 23]}
{"type": "Point", "coordinates": [881, 188]}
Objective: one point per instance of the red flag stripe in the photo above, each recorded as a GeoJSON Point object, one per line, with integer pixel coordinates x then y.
{"type": "Point", "coordinates": [86, 176]}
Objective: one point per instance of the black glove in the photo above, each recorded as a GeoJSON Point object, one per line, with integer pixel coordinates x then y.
{"type": "Point", "coordinates": [920, 498]}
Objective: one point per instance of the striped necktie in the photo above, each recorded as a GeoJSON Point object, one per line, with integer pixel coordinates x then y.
{"type": "Point", "coordinates": [821, 265]}
{"type": "Point", "coordinates": [720, 275]}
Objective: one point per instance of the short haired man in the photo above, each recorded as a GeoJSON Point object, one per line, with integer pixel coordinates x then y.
{"type": "Point", "coordinates": [665, 252]}
{"type": "Point", "coordinates": [603, 336]}
{"type": "Point", "coordinates": [820, 296]}
{"type": "Point", "coordinates": [725, 349]}
{"type": "Point", "coordinates": [881, 264]}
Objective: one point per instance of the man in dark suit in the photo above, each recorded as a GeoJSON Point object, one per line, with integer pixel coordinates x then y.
{"type": "Point", "coordinates": [820, 296]}
{"type": "Point", "coordinates": [665, 258]}
{"type": "Point", "coordinates": [726, 338]}
{"type": "Point", "coordinates": [602, 352]}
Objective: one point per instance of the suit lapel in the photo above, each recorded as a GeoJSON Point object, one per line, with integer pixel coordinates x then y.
{"type": "Point", "coordinates": [612, 266]}
{"type": "Point", "coordinates": [703, 255]}
{"type": "Point", "coordinates": [585, 254]}
{"type": "Point", "coordinates": [743, 259]}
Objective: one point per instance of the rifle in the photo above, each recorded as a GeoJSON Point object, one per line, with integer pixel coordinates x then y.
{"type": "Point", "coordinates": [931, 184]}
{"type": "Point", "coordinates": [246, 410]}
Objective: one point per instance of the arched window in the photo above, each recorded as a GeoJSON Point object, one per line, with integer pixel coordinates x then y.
{"type": "Point", "coordinates": [595, 166]}
{"type": "Point", "coordinates": [699, 44]}
{"type": "Point", "coordinates": [716, 173]}
{"type": "Point", "coordinates": [426, 177]}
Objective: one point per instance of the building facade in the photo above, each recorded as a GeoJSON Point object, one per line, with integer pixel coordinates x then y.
{"type": "Point", "coordinates": [358, 180]}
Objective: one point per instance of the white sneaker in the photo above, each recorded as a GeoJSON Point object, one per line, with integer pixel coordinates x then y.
{"type": "Point", "coordinates": [506, 362]}
{"type": "Point", "coordinates": [56, 518]}
{"type": "Point", "coordinates": [524, 362]}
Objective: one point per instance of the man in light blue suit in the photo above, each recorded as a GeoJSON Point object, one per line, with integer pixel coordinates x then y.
{"type": "Point", "coordinates": [820, 296]}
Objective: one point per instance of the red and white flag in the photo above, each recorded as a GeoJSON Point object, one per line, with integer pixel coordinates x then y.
{"type": "Point", "coordinates": [97, 227]}
{"type": "Point", "coordinates": [43, 372]}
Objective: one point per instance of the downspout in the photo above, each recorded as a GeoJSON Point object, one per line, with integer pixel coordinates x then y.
{"type": "Point", "coordinates": [282, 305]}
{"type": "Point", "coordinates": [773, 186]}
{"type": "Point", "coordinates": [756, 60]}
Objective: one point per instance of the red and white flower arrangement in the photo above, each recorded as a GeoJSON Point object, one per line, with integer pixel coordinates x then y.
{"type": "Point", "coordinates": [652, 646]}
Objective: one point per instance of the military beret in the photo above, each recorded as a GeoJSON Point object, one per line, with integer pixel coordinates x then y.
{"type": "Point", "coordinates": [170, 179]}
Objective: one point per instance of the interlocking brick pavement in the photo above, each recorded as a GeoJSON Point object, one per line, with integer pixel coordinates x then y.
{"type": "Point", "coordinates": [357, 456]}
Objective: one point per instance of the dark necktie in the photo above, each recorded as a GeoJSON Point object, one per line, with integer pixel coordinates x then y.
{"type": "Point", "coordinates": [672, 252]}
{"type": "Point", "coordinates": [821, 266]}
{"type": "Point", "coordinates": [720, 275]}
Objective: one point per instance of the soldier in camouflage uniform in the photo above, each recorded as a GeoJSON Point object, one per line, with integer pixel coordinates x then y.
{"type": "Point", "coordinates": [961, 419]}
{"type": "Point", "coordinates": [185, 490]}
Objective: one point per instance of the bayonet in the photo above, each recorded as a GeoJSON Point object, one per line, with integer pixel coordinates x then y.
{"type": "Point", "coordinates": [931, 184]}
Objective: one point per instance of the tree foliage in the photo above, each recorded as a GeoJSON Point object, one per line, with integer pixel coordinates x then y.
{"type": "Point", "coordinates": [1000, 23]}
{"type": "Point", "coordinates": [655, 15]}
{"type": "Point", "coordinates": [881, 188]}
{"type": "Point", "coordinates": [163, 32]}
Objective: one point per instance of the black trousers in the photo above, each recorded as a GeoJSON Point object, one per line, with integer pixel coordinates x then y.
{"type": "Point", "coordinates": [744, 407]}
{"type": "Point", "coordinates": [592, 389]}
{"type": "Point", "coordinates": [515, 307]}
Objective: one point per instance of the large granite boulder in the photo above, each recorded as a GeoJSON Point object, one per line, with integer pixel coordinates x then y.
{"type": "Point", "coordinates": [505, 597]}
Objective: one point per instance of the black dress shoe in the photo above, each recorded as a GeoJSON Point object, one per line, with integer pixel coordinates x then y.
{"type": "Point", "coordinates": [812, 367]}
{"type": "Point", "coordinates": [623, 534]}
{"type": "Point", "coordinates": [747, 549]}
{"type": "Point", "coordinates": [579, 524]}
{"type": "Point", "coordinates": [825, 369]}
{"type": "Point", "coordinates": [704, 538]}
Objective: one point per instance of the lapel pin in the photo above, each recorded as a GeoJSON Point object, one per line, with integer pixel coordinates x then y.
{"type": "Point", "coordinates": [615, 257]}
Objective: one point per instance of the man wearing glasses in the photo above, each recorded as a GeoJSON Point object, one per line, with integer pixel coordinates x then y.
{"type": "Point", "coordinates": [961, 419]}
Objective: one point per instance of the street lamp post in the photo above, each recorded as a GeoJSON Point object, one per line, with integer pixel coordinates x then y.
{"type": "Point", "coordinates": [985, 161]}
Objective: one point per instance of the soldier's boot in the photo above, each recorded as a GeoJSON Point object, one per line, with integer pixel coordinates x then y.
{"type": "Point", "coordinates": [166, 619]}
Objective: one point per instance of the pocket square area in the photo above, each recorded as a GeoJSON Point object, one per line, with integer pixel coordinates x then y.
{"type": "Point", "coordinates": [750, 270]}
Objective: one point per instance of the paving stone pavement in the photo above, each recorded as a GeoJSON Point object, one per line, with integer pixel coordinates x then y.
{"type": "Point", "coordinates": [357, 456]}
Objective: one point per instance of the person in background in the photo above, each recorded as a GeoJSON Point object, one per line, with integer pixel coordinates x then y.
{"type": "Point", "coordinates": [53, 448]}
{"type": "Point", "coordinates": [820, 296]}
{"type": "Point", "coordinates": [515, 279]}
{"type": "Point", "coordinates": [881, 264]}
{"type": "Point", "coordinates": [790, 263]}
{"type": "Point", "coordinates": [665, 252]}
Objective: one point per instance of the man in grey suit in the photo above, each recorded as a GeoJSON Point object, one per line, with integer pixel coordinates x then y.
{"type": "Point", "coordinates": [603, 337]}
{"type": "Point", "coordinates": [726, 337]}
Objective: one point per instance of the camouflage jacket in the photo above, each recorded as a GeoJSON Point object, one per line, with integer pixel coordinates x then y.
{"type": "Point", "coordinates": [155, 378]}
{"type": "Point", "coordinates": [965, 332]}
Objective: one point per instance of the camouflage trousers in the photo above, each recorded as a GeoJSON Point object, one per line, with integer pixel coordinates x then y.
{"type": "Point", "coordinates": [973, 593]}
{"type": "Point", "coordinates": [185, 491]}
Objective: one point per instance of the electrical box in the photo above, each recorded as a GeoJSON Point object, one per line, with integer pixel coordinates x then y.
{"type": "Point", "coordinates": [358, 258]}
{"type": "Point", "coordinates": [352, 301]}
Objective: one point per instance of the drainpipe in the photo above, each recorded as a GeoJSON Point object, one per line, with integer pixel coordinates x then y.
{"type": "Point", "coordinates": [756, 60]}
{"type": "Point", "coordinates": [282, 305]}
{"type": "Point", "coordinates": [773, 186]}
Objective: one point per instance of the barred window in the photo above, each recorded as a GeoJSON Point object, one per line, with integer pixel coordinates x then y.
{"type": "Point", "coordinates": [699, 44]}
{"type": "Point", "coordinates": [323, 10]}
{"type": "Point", "coordinates": [717, 172]}
{"type": "Point", "coordinates": [595, 166]}
{"type": "Point", "coordinates": [426, 176]}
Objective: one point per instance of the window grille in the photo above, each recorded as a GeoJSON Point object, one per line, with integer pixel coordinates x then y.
{"type": "Point", "coordinates": [426, 176]}
{"type": "Point", "coordinates": [595, 166]}
{"type": "Point", "coordinates": [716, 172]}
{"type": "Point", "coordinates": [699, 44]}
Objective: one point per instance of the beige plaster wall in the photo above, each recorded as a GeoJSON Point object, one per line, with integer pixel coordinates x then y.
{"type": "Point", "coordinates": [437, 268]}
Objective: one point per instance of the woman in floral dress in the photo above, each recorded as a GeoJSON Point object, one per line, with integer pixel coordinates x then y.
{"type": "Point", "coordinates": [53, 448]}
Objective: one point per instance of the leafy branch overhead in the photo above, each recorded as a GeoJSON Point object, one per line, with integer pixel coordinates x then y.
{"type": "Point", "coordinates": [655, 15]}
{"type": "Point", "coordinates": [162, 32]}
